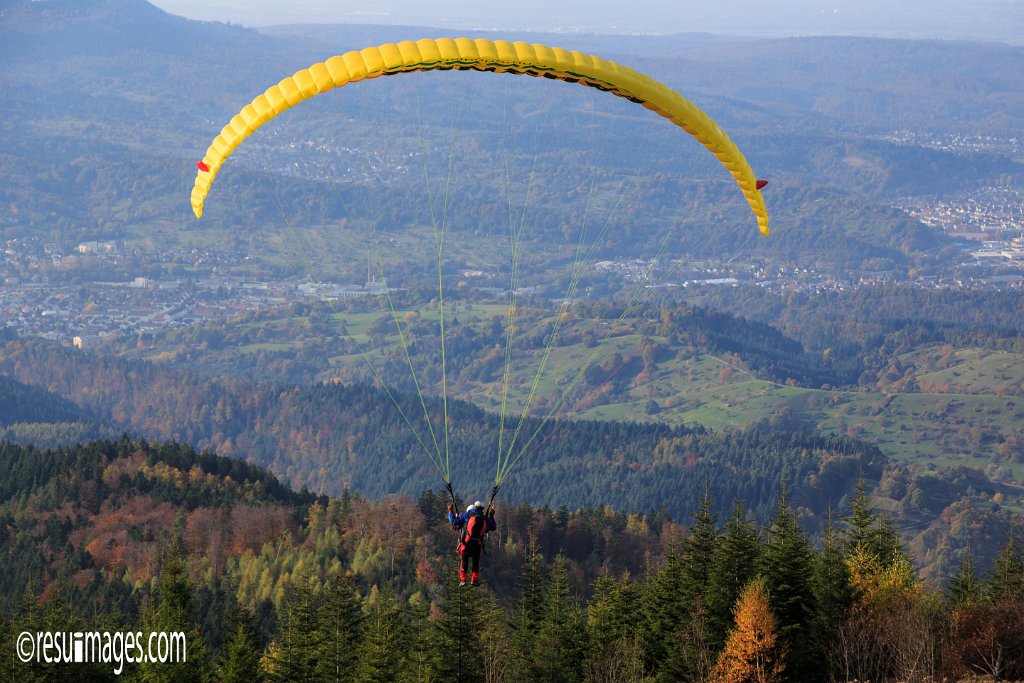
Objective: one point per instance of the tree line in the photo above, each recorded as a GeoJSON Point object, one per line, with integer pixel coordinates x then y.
{"type": "Point", "coordinates": [590, 595]}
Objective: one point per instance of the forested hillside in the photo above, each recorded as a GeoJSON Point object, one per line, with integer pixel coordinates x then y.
{"type": "Point", "coordinates": [272, 585]}
{"type": "Point", "coordinates": [961, 318]}
{"type": "Point", "coordinates": [22, 403]}
{"type": "Point", "coordinates": [927, 362]}
{"type": "Point", "coordinates": [333, 437]}
{"type": "Point", "coordinates": [320, 342]}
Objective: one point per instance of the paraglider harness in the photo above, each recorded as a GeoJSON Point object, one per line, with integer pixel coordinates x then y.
{"type": "Point", "coordinates": [476, 525]}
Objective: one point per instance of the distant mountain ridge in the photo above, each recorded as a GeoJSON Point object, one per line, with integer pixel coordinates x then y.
{"type": "Point", "coordinates": [848, 72]}
{"type": "Point", "coordinates": [92, 27]}
{"type": "Point", "coordinates": [174, 82]}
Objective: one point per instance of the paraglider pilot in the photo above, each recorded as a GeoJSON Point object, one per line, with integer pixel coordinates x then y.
{"type": "Point", "coordinates": [474, 524]}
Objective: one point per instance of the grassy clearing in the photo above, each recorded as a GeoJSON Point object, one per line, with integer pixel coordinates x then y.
{"type": "Point", "coordinates": [969, 371]}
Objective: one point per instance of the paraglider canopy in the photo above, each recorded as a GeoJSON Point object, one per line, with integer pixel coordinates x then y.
{"type": "Point", "coordinates": [481, 55]}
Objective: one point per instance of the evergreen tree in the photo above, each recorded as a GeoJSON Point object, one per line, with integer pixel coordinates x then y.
{"type": "Point", "coordinates": [664, 607]}
{"type": "Point", "coordinates": [754, 652]}
{"type": "Point", "coordinates": [833, 592]}
{"type": "Point", "coordinates": [786, 564]}
{"type": "Point", "coordinates": [28, 617]}
{"type": "Point", "coordinates": [529, 610]}
{"type": "Point", "coordinates": [293, 654]}
{"type": "Point", "coordinates": [55, 616]}
{"type": "Point", "coordinates": [175, 612]}
{"type": "Point", "coordinates": [216, 607]}
{"type": "Point", "coordinates": [689, 647]}
{"type": "Point", "coordinates": [612, 614]}
{"type": "Point", "coordinates": [964, 587]}
{"type": "Point", "coordinates": [698, 550]}
{"type": "Point", "coordinates": [240, 658]}
{"type": "Point", "coordinates": [458, 654]}
{"type": "Point", "coordinates": [691, 656]}
{"type": "Point", "coordinates": [885, 541]}
{"type": "Point", "coordinates": [871, 530]}
{"type": "Point", "coordinates": [339, 617]}
{"type": "Point", "coordinates": [1006, 580]}
{"type": "Point", "coordinates": [733, 566]}
{"type": "Point", "coordinates": [380, 653]}
{"type": "Point", "coordinates": [501, 660]}
{"type": "Point", "coordinates": [560, 647]}
{"type": "Point", "coordinates": [612, 632]}
{"type": "Point", "coordinates": [422, 647]}
{"type": "Point", "coordinates": [861, 520]}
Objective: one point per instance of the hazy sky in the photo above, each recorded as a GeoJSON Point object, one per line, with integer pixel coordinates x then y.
{"type": "Point", "coordinates": [949, 19]}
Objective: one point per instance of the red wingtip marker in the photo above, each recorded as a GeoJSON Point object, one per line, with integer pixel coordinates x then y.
{"type": "Point", "coordinates": [202, 166]}
{"type": "Point", "coordinates": [761, 184]}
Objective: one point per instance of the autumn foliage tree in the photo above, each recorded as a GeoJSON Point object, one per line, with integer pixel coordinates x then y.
{"type": "Point", "coordinates": [753, 652]}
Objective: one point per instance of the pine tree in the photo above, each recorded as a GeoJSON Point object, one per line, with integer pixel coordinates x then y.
{"type": "Point", "coordinates": [339, 617]}
{"type": "Point", "coordinates": [501, 661]}
{"type": "Point", "coordinates": [754, 652]}
{"type": "Point", "coordinates": [292, 655]}
{"type": "Point", "coordinates": [662, 600]}
{"type": "Point", "coordinates": [560, 646]}
{"type": "Point", "coordinates": [173, 613]}
{"type": "Point", "coordinates": [698, 550]}
{"type": "Point", "coordinates": [28, 617]}
{"type": "Point", "coordinates": [733, 566]}
{"type": "Point", "coordinates": [691, 656]}
{"type": "Point", "coordinates": [457, 654]}
{"type": "Point", "coordinates": [689, 646]}
{"type": "Point", "coordinates": [861, 520]}
{"type": "Point", "coordinates": [612, 633]}
{"type": "Point", "coordinates": [964, 587]}
{"type": "Point", "coordinates": [380, 655]}
{"type": "Point", "coordinates": [422, 648]}
{"type": "Point", "coordinates": [530, 607]}
{"type": "Point", "coordinates": [55, 616]}
{"type": "Point", "coordinates": [786, 564]}
{"type": "Point", "coordinates": [885, 542]}
{"type": "Point", "coordinates": [612, 613]}
{"type": "Point", "coordinates": [240, 658]}
{"type": "Point", "coordinates": [833, 592]}
{"type": "Point", "coordinates": [871, 530]}
{"type": "Point", "coordinates": [1006, 580]}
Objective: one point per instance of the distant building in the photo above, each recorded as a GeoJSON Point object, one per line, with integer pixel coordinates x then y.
{"type": "Point", "coordinates": [85, 341]}
{"type": "Point", "coordinates": [97, 247]}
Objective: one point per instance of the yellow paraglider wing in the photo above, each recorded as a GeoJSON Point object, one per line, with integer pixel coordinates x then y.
{"type": "Point", "coordinates": [481, 55]}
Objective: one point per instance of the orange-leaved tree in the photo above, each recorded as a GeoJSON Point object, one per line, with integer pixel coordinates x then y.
{"type": "Point", "coordinates": [752, 653]}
